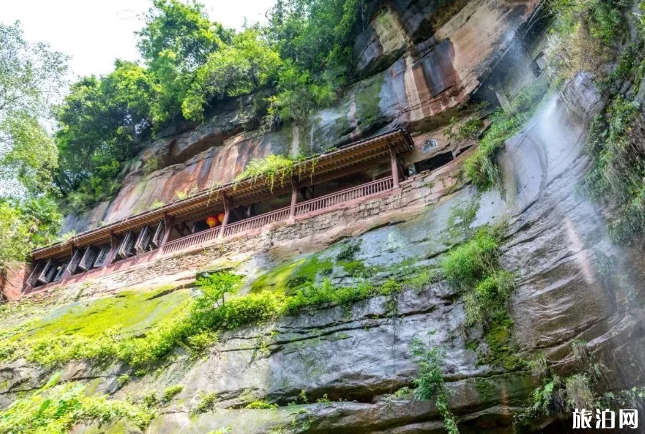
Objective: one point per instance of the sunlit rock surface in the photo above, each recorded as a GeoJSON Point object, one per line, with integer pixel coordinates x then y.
{"type": "Point", "coordinates": [431, 57]}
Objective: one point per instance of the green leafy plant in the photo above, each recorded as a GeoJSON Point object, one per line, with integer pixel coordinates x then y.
{"type": "Point", "coordinates": [56, 409]}
{"type": "Point", "coordinates": [480, 168]}
{"type": "Point", "coordinates": [430, 383]}
{"type": "Point", "coordinates": [156, 204]}
{"type": "Point", "coordinates": [615, 177]}
{"type": "Point", "coordinates": [261, 405]}
{"type": "Point", "coordinates": [206, 402]}
{"type": "Point", "coordinates": [273, 168]}
{"type": "Point", "coordinates": [348, 251]}
{"type": "Point", "coordinates": [171, 392]}
{"type": "Point", "coordinates": [469, 130]}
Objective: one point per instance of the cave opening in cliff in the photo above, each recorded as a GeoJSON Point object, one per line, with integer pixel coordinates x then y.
{"type": "Point", "coordinates": [433, 163]}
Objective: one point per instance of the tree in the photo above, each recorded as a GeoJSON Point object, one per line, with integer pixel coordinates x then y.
{"type": "Point", "coordinates": [177, 38]}
{"type": "Point", "coordinates": [31, 79]}
{"type": "Point", "coordinates": [246, 65]}
{"type": "Point", "coordinates": [102, 123]}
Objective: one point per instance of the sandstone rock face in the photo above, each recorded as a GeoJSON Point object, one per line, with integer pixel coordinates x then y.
{"type": "Point", "coordinates": [358, 357]}
{"type": "Point", "coordinates": [421, 59]}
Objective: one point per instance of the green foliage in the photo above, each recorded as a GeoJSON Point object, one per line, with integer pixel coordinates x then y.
{"type": "Point", "coordinates": [403, 393]}
{"type": "Point", "coordinates": [469, 130]}
{"type": "Point", "coordinates": [56, 409]}
{"type": "Point", "coordinates": [261, 405]}
{"type": "Point", "coordinates": [102, 124]}
{"type": "Point", "coordinates": [200, 342]}
{"type": "Point", "coordinates": [299, 94]}
{"type": "Point", "coordinates": [26, 224]}
{"type": "Point", "coordinates": [616, 174]}
{"type": "Point", "coordinates": [177, 38]}
{"type": "Point", "coordinates": [150, 399]}
{"type": "Point", "coordinates": [103, 334]}
{"type": "Point", "coordinates": [31, 79]}
{"type": "Point", "coordinates": [467, 264]}
{"type": "Point", "coordinates": [348, 251]}
{"type": "Point", "coordinates": [460, 219]}
{"type": "Point", "coordinates": [206, 402]}
{"type": "Point", "coordinates": [246, 65]}
{"type": "Point", "coordinates": [122, 380]}
{"type": "Point", "coordinates": [295, 64]}
{"type": "Point", "coordinates": [430, 383]}
{"type": "Point", "coordinates": [480, 168]}
{"type": "Point", "coordinates": [272, 168]}
{"type": "Point", "coordinates": [214, 286]}
{"type": "Point", "coordinates": [486, 290]}
{"type": "Point", "coordinates": [579, 392]}
{"type": "Point", "coordinates": [558, 396]}
{"type": "Point", "coordinates": [171, 392]}
{"type": "Point", "coordinates": [152, 164]}
{"type": "Point", "coordinates": [589, 31]}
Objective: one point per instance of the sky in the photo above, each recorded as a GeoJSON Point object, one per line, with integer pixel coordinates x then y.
{"type": "Point", "coordinates": [95, 32]}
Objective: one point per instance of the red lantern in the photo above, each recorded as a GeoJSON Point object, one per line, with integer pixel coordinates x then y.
{"type": "Point", "coordinates": [220, 217]}
{"type": "Point", "coordinates": [212, 221]}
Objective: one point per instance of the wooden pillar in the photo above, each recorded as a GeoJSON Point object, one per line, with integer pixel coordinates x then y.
{"type": "Point", "coordinates": [228, 204]}
{"type": "Point", "coordinates": [114, 246]}
{"type": "Point", "coordinates": [294, 199]}
{"type": "Point", "coordinates": [168, 223]}
{"type": "Point", "coordinates": [395, 168]}
{"type": "Point", "coordinates": [67, 274]}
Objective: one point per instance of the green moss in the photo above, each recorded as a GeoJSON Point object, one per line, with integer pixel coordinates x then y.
{"type": "Point", "coordinates": [127, 312]}
{"type": "Point", "coordinates": [367, 100]}
{"type": "Point", "coordinates": [501, 351]}
{"type": "Point", "coordinates": [348, 251]}
{"type": "Point", "coordinates": [261, 405]}
{"type": "Point", "coordinates": [355, 268]}
{"type": "Point", "coordinates": [293, 274]}
{"type": "Point", "coordinates": [485, 389]}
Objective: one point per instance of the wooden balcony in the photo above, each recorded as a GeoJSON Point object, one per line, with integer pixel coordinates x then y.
{"type": "Point", "coordinates": [303, 210]}
{"type": "Point", "coordinates": [339, 197]}
{"type": "Point", "coordinates": [191, 241]}
{"type": "Point", "coordinates": [144, 237]}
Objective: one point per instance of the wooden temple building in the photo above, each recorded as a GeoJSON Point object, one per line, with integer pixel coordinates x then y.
{"type": "Point", "coordinates": [361, 169]}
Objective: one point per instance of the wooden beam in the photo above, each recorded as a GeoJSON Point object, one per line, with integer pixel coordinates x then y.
{"type": "Point", "coordinates": [395, 168]}
{"type": "Point", "coordinates": [169, 222]}
{"type": "Point", "coordinates": [228, 204]}
{"type": "Point", "coordinates": [114, 246]}
{"type": "Point", "coordinates": [294, 199]}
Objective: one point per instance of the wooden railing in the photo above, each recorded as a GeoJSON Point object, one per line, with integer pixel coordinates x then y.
{"type": "Point", "coordinates": [191, 240]}
{"type": "Point", "coordinates": [256, 222]}
{"type": "Point", "coordinates": [323, 202]}
{"type": "Point", "coordinates": [282, 214]}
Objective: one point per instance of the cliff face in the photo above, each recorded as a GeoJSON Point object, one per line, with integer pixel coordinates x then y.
{"type": "Point", "coordinates": [357, 357]}
{"type": "Point", "coordinates": [423, 62]}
